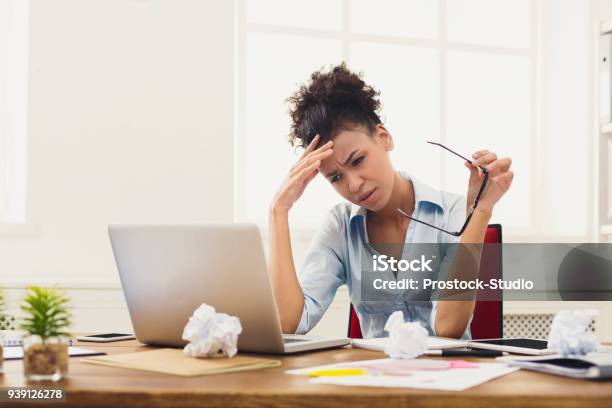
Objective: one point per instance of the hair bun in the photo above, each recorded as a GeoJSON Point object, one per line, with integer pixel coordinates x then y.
{"type": "Point", "coordinates": [330, 101]}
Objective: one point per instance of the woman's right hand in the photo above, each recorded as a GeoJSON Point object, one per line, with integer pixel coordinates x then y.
{"type": "Point", "coordinates": [302, 173]}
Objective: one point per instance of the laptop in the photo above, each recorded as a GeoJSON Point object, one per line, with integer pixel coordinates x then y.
{"type": "Point", "coordinates": [167, 271]}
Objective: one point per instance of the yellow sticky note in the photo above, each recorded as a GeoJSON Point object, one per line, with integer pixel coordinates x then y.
{"type": "Point", "coordinates": [338, 372]}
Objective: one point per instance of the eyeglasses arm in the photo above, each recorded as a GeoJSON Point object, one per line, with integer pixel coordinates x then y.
{"type": "Point", "coordinates": [469, 217]}
{"type": "Point", "coordinates": [426, 223]}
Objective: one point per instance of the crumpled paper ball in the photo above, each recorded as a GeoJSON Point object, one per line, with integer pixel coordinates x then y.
{"type": "Point", "coordinates": [406, 340]}
{"type": "Point", "coordinates": [211, 334]}
{"type": "Point", "coordinates": [569, 335]}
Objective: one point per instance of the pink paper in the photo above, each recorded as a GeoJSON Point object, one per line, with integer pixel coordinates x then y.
{"type": "Point", "coordinates": [462, 364]}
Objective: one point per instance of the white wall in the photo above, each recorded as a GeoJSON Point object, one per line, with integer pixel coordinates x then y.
{"type": "Point", "coordinates": [601, 10]}
{"type": "Point", "coordinates": [562, 172]}
{"type": "Point", "coordinates": [130, 120]}
{"type": "Point", "coordinates": [13, 108]}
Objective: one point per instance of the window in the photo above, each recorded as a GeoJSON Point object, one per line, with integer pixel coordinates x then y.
{"type": "Point", "coordinates": [456, 71]}
{"type": "Point", "coordinates": [13, 101]}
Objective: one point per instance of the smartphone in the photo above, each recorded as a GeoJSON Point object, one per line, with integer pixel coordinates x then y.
{"type": "Point", "coordinates": [106, 337]}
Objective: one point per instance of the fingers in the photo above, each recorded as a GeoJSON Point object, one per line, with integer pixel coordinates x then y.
{"type": "Point", "coordinates": [317, 155]}
{"type": "Point", "coordinates": [310, 151]}
{"type": "Point", "coordinates": [471, 166]}
{"type": "Point", "coordinates": [312, 175]}
{"type": "Point", "coordinates": [499, 166]}
{"type": "Point", "coordinates": [489, 160]}
{"type": "Point", "coordinates": [480, 153]}
{"type": "Point", "coordinates": [311, 146]}
{"type": "Point", "coordinates": [308, 158]}
{"type": "Point", "coordinates": [309, 172]}
{"type": "Point", "coordinates": [474, 171]}
{"type": "Point", "coordinates": [327, 146]}
{"type": "Point", "coordinates": [485, 159]}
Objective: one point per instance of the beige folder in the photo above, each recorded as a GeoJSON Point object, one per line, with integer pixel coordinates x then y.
{"type": "Point", "coordinates": [174, 361]}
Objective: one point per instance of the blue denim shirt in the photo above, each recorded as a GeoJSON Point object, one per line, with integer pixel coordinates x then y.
{"type": "Point", "coordinates": [334, 256]}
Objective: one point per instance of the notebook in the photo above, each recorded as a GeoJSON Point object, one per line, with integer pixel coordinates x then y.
{"type": "Point", "coordinates": [16, 353]}
{"type": "Point", "coordinates": [176, 362]}
{"type": "Point", "coordinates": [433, 343]}
{"type": "Point", "coordinates": [518, 346]}
{"type": "Point", "coordinates": [592, 366]}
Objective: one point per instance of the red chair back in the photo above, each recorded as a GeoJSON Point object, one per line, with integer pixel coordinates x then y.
{"type": "Point", "coordinates": [488, 321]}
{"type": "Point", "coordinates": [354, 327]}
{"type": "Point", "coordinates": [488, 314]}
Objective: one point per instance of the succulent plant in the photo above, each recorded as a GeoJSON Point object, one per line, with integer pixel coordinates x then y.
{"type": "Point", "coordinates": [46, 312]}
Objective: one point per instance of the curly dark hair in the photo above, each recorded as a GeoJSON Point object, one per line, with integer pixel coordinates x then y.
{"type": "Point", "coordinates": [333, 100]}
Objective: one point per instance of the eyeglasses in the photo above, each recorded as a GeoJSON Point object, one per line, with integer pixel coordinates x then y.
{"type": "Point", "coordinates": [485, 178]}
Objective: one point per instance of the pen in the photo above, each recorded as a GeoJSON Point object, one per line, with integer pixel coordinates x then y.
{"type": "Point", "coordinates": [464, 353]}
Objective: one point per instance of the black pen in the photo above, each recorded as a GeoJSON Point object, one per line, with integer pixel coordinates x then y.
{"type": "Point", "coordinates": [464, 353]}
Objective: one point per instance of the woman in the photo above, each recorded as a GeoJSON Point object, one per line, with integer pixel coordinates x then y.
{"type": "Point", "coordinates": [335, 118]}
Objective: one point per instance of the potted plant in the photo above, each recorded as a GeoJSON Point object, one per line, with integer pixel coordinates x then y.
{"type": "Point", "coordinates": [45, 348]}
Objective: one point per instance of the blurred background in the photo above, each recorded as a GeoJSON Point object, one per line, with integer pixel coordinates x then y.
{"type": "Point", "coordinates": [152, 111]}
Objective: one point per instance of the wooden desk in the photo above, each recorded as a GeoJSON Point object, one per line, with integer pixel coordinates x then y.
{"type": "Point", "coordinates": [97, 386]}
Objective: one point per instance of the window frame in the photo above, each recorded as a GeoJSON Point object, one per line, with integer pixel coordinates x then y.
{"type": "Point", "coordinates": [441, 44]}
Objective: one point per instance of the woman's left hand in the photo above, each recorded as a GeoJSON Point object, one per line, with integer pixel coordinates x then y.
{"type": "Point", "coordinates": [500, 179]}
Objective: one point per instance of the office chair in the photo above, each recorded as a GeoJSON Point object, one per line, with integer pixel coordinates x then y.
{"type": "Point", "coordinates": [488, 314]}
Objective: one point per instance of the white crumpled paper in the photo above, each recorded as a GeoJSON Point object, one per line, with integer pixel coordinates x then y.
{"type": "Point", "coordinates": [211, 334]}
{"type": "Point", "coordinates": [569, 335]}
{"type": "Point", "coordinates": [406, 340]}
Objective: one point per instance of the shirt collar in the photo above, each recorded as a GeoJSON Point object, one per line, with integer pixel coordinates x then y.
{"type": "Point", "coordinates": [422, 193]}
